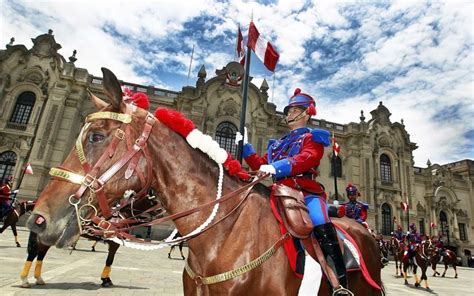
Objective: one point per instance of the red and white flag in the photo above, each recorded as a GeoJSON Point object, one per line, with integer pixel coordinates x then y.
{"type": "Point", "coordinates": [335, 146]}
{"type": "Point", "coordinates": [432, 225]}
{"type": "Point", "coordinates": [404, 206]}
{"type": "Point", "coordinates": [262, 48]}
{"type": "Point", "coordinates": [240, 47]}
{"type": "Point", "coordinates": [29, 169]}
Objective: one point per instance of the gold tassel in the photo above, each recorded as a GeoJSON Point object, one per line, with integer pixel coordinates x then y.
{"type": "Point", "coordinates": [106, 272]}
{"type": "Point", "coordinates": [39, 265]}
{"type": "Point", "coordinates": [26, 269]}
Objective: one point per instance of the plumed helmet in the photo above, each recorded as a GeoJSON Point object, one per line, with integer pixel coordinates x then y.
{"type": "Point", "coordinates": [303, 101]}
{"type": "Point", "coordinates": [413, 226]}
{"type": "Point", "coordinates": [352, 190]}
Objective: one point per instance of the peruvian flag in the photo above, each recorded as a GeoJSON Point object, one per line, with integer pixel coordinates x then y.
{"type": "Point", "coordinates": [262, 48]}
{"type": "Point", "coordinates": [404, 206]}
{"type": "Point", "coordinates": [432, 225]}
{"type": "Point", "coordinates": [240, 47]}
{"type": "Point", "coordinates": [29, 169]}
{"type": "Point", "coordinates": [335, 146]}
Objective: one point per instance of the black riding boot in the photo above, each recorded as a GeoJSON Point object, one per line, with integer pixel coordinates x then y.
{"type": "Point", "coordinates": [327, 238]}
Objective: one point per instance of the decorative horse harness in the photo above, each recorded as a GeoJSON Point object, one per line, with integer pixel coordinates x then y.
{"type": "Point", "coordinates": [95, 182]}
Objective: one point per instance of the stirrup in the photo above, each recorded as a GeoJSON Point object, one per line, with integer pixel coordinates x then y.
{"type": "Point", "coordinates": [342, 291]}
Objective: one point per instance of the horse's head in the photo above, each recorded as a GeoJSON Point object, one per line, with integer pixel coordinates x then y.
{"type": "Point", "coordinates": [95, 173]}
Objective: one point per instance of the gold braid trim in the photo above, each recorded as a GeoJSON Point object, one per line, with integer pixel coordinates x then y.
{"type": "Point", "coordinates": [125, 118]}
{"type": "Point", "coordinates": [63, 174]}
{"type": "Point", "coordinates": [225, 276]}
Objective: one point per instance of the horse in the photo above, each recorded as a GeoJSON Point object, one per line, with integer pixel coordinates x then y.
{"type": "Point", "coordinates": [422, 258]}
{"type": "Point", "coordinates": [383, 249]}
{"type": "Point", "coordinates": [448, 257]}
{"type": "Point", "coordinates": [12, 217]}
{"type": "Point", "coordinates": [396, 248]}
{"type": "Point", "coordinates": [184, 178]}
{"type": "Point", "coordinates": [180, 246]}
{"type": "Point", "coordinates": [38, 250]}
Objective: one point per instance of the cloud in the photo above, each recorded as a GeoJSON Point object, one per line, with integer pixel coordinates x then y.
{"type": "Point", "coordinates": [416, 57]}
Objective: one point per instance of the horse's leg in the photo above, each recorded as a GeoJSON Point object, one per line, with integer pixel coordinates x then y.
{"type": "Point", "coordinates": [42, 250]}
{"type": "Point", "coordinates": [417, 280]}
{"type": "Point", "coordinates": [455, 270]}
{"type": "Point", "coordinates": [445, 269]}
{"type": "Point", "coordinates": [32, 250]}
{"type": "Point", "coordinates": [171, 250]}
{"type": "Point", "coordinates": [181, 249]}
{"type": "Point", "coordinates": [424, 277]}
{"type": "Point", "coordinates": [15, 234]}
{"type": "Point", "coordinates": [105, 276]}
{"type": "Point", "coordinates": [93, 246]}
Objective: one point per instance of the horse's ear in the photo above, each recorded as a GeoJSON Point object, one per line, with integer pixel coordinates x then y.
{"type": "Point", "coordinates": [112, 89]}
{"type": "Point", "coordinates": [99, 104]}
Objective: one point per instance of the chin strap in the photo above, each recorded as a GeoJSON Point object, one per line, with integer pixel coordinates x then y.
{"type": "Point", "coordinates": [298, 117]}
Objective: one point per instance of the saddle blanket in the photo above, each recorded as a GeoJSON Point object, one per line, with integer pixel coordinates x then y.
{"type": "Point", "coordinates": [312, 278]}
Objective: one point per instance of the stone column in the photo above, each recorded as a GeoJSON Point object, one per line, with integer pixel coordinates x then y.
{"type": "Point", "coordinates": [433, 219]}
{"type": "Point", "coordinates": [455, 226]}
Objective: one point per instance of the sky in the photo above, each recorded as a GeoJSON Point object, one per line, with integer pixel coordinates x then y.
{"type": "Point", "coordinates": [414, 56]}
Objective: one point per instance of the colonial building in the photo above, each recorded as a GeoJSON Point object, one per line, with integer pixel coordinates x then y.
{"type": "Point", "coordinates": [44, 100]}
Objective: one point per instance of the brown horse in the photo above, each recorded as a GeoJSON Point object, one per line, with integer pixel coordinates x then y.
{"type": "Point", "coordinates": [448, 257]}
{"type": "Point", "coordinates": [184, 178]}
{"type": "Point", "coordinates": [12, 217]}
{"type": "Point", "coordinates": [38, 250]}
{"type": "Point", "coordinates": [397, 249]}
{"type": "Point", "coordinates": [422, 258]}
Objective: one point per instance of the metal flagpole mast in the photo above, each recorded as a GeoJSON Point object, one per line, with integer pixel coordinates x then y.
{"type": "Point", "coordinates": [244, 103]}
{"type": "Point", "coordinates": [190, 63]}
{"type": "Point", "coordinates": [408, 215]}
{"type": "Point", "coordinates": [336, 194]}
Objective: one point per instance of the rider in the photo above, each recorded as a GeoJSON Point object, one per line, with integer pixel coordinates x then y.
{"type": "Point", "coordinates": [398, 234]}
{"type": "Point", "coordinates": [354, 209]}
{"type": "Point", "coordinates": [5, 191]}
{"type": "Point", "coordinates": [413, 240]}
{"type": "Point", "coordinates": [293, 161]}
{"type": "Point", "coordinates": [439, 244]}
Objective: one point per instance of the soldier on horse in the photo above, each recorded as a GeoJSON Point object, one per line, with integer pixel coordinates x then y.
{"type": "Point", "coordinates": [5, 199]}
{"type": "Point", "coordinates": [413, 239]}
{"type": "Point", "coordinates": [293, 161]}
{"type": "Point", "coordinates": [354, 209]}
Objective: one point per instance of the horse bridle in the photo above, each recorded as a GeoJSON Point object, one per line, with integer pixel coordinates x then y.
{"type": "Point", "coordinates": [93, 180]}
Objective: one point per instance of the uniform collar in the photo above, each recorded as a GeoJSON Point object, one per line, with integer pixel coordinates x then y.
{"type": "Point", "coordinates": [299, 131]}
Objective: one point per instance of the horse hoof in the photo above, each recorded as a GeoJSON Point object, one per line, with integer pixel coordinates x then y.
{"type": "Point", "coordinates": [18, 245]}
{"type": "Point", "coordinates": [26, 285]}
{"type": "Point", "coordinates": [183, 257]}
{"type": "Point", "coordinates": [406, 283]}
{"type": "Point", "coordinates": [93, 249]}
{"type": "Point", "coordinates": [106, 282]}
{"type": "Point", "coordinates": [40, 281]}
{"type": "Point", "coordinates": [442, 275]}
{"type": "Point", "coordinates": [456, 276]}
{"type": "Point", "coordinates": [417, 285]}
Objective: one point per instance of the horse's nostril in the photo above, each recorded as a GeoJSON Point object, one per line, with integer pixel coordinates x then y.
{"type": "Point", "coordinates": [39, 220]}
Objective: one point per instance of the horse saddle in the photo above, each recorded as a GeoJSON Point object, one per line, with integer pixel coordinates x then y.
{"type": "Point", "coordinates": [293, 210]}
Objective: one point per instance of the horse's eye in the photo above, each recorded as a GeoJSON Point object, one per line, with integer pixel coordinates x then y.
{"type": "Point", "coordinates": [96, 138]}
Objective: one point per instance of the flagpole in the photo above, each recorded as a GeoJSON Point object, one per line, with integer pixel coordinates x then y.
{"type": "Point", "coordinates": [408, 215]}
{"type": "Point", "coordinates": [190, 63]}
{"type": "Point", "coordinates": [336, 196]}
{"type": "Point", "coordinates": [244, 103]}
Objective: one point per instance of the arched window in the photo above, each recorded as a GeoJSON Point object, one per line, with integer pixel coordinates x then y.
{"type": "Point", "coordinates": [336, 165]}
{"type": "Point", "coordinates": [387, 224]}
{"type": "Point", "coordinates": [7, 164]}
{"type": "Point", "coordinates": [443, 218]}
{"type": "Point", "coordinates": [225, 136]}
{"type": "Point", "coordinates": [385, 168]}
{"type": "Point", "coordinates": [24, 106]}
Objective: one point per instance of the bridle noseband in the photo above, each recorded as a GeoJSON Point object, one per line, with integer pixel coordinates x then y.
{"type": "Point", "coordinates": [94, 180]}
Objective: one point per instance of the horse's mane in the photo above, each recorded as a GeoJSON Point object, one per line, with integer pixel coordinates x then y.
{"type": "Point", "coordinates": [177, 122]}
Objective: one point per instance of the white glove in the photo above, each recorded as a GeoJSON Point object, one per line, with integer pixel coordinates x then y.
{"type": "Point", "coordinates": [238, 137]}
{"type": "Point", "coordinates": [267, 168]}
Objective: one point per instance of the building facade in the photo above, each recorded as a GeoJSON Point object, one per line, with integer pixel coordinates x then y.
{"type": "Point", "coordinates": [44, 100]}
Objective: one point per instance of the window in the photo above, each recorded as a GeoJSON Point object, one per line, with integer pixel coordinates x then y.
{"type": "Point", "coordinates": [444, 224]}
{"type": "Point", "coordinates": [336, 165]}
{"type": "Point", "coordinates": [225, 136]}
{"type": "Point", "coordinates": [385, 168]}
{"type": "Point", "coordinates": [24, 106]}
{"type": "Point", "coordinates": [422, 226]}
{"type": "Point", "coordinates": [462, 232]}
{"type": "Point", "coordinates": [7, 163]}
{"type": "Point", "coordinates": [387, 225]}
